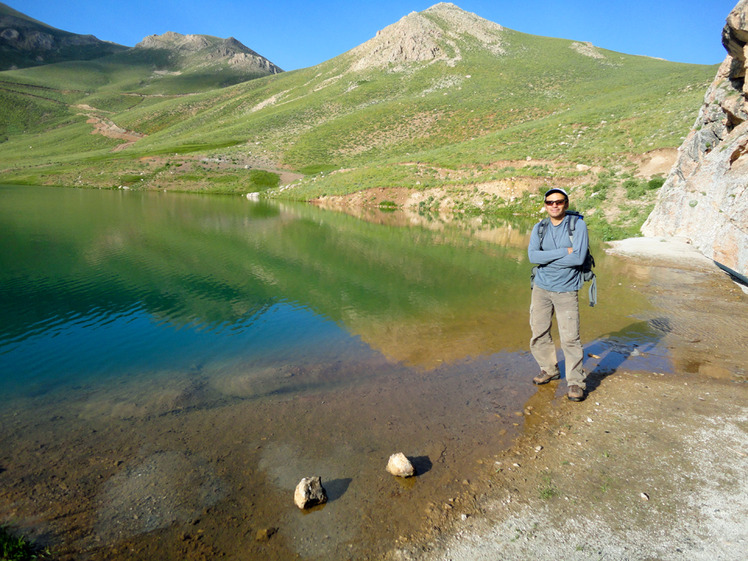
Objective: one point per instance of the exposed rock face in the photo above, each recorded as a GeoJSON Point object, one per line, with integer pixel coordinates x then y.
{"type": "Point", "coordinates": [428, 36]}
{"type": "Point", "coordinates": [210, 50]}
{"type": "Point", "coordinates": [704, 199]}
{"type": "Point", "coordinates": [587, 49]}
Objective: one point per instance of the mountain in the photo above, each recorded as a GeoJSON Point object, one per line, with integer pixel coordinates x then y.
{"type": "Point", "coordinates": [202, 51]}
{"type": "Point", "coordinates": [26, 42]}
{"type": "Point", "coordinates": [167, 64]}
{"type": "Point", "coordinates": [464, 113]}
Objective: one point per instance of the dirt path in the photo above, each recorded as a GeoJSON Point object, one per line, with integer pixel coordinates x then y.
{"type": "Point", "coordinates": [109, 129]}
{"type": "Point", "coordinates": [650, 466]}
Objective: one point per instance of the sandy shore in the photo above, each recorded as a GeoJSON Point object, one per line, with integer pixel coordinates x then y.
{"type": "Point", "coordinates": [650, 466]}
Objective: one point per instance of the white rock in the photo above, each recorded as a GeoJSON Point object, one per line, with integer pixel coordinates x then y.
{"type": "Point", "coordinates": [309, 492]}
{"type": "Point", "coordinates": [400, 466]}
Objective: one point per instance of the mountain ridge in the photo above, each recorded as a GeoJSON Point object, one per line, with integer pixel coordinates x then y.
{"type": "Point", "coordinates": [209, 48]}
{"type": "Point", "coordinates": [25, 42]}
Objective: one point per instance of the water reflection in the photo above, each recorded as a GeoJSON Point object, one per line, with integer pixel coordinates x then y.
{"type": "Point", "coordinates": [98, 283]}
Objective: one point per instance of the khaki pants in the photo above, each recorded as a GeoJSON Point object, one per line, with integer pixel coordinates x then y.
{"type": "Point", "coordinates": [566, 307]}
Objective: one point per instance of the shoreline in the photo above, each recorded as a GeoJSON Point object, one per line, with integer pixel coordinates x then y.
{"type": "Point", "coordinates": [650, 465]}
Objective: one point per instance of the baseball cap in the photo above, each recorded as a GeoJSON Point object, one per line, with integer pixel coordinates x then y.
{"type": "Point", "coordinates": [557, 190]}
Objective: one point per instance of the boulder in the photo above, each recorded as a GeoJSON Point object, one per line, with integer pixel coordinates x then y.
{"type": "Point", "coordinates": [309, 492]}
{"type": "Point", "coordinates": [400, 466]}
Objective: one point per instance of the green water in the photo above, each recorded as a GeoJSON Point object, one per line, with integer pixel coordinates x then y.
{"type": "Point", "coordinates": [97, 283]}
{"type": "Point", "coordinates": [306, 340]}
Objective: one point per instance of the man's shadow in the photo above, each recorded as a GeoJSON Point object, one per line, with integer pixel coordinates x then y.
{"type": "Point", "coordinates": [610, 352]}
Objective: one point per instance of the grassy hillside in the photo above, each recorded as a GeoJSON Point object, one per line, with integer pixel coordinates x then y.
{"type": "Point", "coordinates": [452, 122]}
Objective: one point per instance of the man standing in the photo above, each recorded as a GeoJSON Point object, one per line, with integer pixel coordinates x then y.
{"type": "Point", "coordinates": [555, 289]}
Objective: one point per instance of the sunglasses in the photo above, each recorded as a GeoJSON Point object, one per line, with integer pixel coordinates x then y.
{"type": "Point", "coordinates": [557, 202]}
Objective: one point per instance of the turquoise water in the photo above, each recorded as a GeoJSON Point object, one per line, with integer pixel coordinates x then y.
{"type": "Point", "coordinates": [96, 285]}
{"type": "Point", "coordinates": [250, 344]}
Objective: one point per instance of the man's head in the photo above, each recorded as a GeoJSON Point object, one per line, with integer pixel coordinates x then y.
{"type": "Point", "coordinates": [556, 203]}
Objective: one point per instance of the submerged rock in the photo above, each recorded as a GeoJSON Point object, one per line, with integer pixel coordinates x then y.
{"type": "Point", "coordinates": [400, 466]}
{"type": "Point", "coordinates": [265, 534]}
{"type": "Point", "coordinates": [309, 492]}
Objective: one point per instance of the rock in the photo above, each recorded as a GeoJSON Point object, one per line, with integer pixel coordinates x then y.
{"type": "Point", "coordinates": [265, 534]}
{"type": "Point", "coordinates": [400, 466]}
{"type": "Point", "coordinates": [309, 492]}
{"type": "Point", "coordinates": [703, 198]}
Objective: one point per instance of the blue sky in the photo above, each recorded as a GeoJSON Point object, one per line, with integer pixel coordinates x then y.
{"type": "Point", "coordinates": [295, 34]}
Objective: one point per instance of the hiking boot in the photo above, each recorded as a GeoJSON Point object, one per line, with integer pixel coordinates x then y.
{"type": "Point", "coordinates": [575, 393]}
{"type": "Point", "coordinates": [544, 378]}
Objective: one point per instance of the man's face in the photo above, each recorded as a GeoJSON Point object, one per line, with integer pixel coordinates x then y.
{"type": "Point", "coordinates": [556, 205]}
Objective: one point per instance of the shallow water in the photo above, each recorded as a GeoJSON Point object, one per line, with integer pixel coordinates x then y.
{"type": "Point", "coordinates": [173, 365]}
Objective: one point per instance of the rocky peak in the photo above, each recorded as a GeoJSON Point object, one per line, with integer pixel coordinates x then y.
{"type": "Point", "coordinates": [705, 197]}
{"type": "Point", "coordinates": [174, 41]}
{"type": "Point", "coordinates": [460, 22]}
{"type": "Point", "coordinates": [199, 49]}
{"type": "Point", "coordinates": [429, 36]}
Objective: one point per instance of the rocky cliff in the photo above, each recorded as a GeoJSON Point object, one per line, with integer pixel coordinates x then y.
{"type": "Point", "coordinates": [705, 198]}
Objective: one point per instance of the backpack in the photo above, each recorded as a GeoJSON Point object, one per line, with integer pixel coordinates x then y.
{"type": "Point", "coordinates": [589, 261]}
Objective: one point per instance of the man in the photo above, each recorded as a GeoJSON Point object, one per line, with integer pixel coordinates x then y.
{"type": "Point", "coordinates": [555, 290]}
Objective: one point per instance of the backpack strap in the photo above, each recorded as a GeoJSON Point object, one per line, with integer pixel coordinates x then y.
{"type": "Point", "coordinates": [592, 294]}
{"type": "Point", "coordinates": [542, 227]}
{"type": "Point", "coordinates": [571, 224]}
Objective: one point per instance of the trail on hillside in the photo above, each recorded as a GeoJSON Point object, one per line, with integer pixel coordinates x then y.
{"type": "Point", "coordinates": [109, 129]}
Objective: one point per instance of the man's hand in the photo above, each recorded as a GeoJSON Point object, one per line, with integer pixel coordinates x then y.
{"type": "Point", "coordinates": [571, 250]}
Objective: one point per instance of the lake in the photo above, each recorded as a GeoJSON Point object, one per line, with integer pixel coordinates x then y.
{"type": "Point", "coordinates": [173, 365]}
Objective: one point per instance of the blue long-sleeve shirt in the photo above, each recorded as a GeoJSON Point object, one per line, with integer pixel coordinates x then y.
{"type": "Point", "coordinates": [558, 270]}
